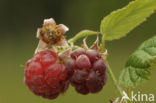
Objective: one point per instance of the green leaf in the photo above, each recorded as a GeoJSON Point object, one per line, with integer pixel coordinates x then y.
{"type": "Point", "coordinates": [138, 67]}
{"type": "Point", "coordinates": [120, 22]}
{"type": "Point", "coordinates": [81, 34]}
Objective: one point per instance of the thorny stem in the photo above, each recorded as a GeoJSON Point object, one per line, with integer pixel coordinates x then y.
{"type": "Point", "coordinates": [113, 79]}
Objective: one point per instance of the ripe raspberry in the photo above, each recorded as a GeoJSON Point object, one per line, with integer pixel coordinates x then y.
{"type": "Point", "coordinates": [83, 62]}
{"type": "Point", "coordinates": [99, 66]}
{"type": "Point", "coordinates": [44, 76]}
{"type": "Point", "coordinates": [70, 64]}
{"type": "Point", "coordinates": [77, 52]}
{"type": "Point", "coordinates": [80, 76]}
{"type": "Point", "coordinates": [93, 55]}
{"type": "Point", "coordinates": [88, 71]}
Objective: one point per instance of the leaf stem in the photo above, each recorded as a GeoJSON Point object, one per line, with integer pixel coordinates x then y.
{"type": "Point", "coordinates": [113, 79]}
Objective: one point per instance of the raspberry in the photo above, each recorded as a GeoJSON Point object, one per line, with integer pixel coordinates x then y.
{"type": "Point", "coordinates": [99, 66]}
{"type": "Point", "coordinates": [83, 62]}
{"type": "Point", "coordinates": [70, 64]}
{"type": "Point", "coordinates": [77, 52]}
{"type": "Point", "coordinates": [93, 82]}
{"type": "Point", "coordinates": [93, 55]}
{"type": "Point", "coordinates": [80, 76]}
{"type": "Point", "coordinates": [82, 89]}
{"type": "Point", "coordinates": [88, 71]}
{"type": "Point", "coordinates": [44, 76]}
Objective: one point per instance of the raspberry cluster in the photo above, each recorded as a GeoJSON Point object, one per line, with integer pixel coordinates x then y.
{"type": "Point", "coordinates": [45, 76]}
{"type": "Point", "coordinates": [87, 71]}
{"type": "Point", "coordinates": [49, 73]}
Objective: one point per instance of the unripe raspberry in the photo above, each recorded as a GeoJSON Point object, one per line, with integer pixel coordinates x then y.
{"type": "Point", "coordinates": [44, 76]}
{"type": "Point", "coordinates": [89, 71]}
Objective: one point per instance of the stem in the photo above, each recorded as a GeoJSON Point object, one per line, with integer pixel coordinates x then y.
{"type": "Point", "coordinates": [110, 70]}
{"type": "Point", "coordinates": [114, 79]}
{"type": "Point", "coordinates": [82, 34]}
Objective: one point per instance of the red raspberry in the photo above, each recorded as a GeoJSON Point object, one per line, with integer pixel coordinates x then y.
{"type": "Point", "coordinates": [93, 55]}
{"type": "Point", "coordinates": [77, 52]}
{"type": "Point", "coordinates": [70, 64]}
{"type": "Point", "coordinates": [80, 76]}
{"type": "Point", "coordinates": [83, 62]}
{"type": "Point", "coordinates": [88, 71]}
{"type": "Point", "coordinates": [82, 89]}
{"type": "Point", "coordinates": [44, 76]}
{"type": "Point", "coordinates": [99, 66]}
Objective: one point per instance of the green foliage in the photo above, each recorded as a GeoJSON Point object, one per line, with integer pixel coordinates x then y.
{"type": "Point", "coordinates": [122, 21]}
{"type": "Point", "coordinates": [139, 64]}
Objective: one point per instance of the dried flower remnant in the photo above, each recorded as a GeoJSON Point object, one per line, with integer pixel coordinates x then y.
{"type": "Point", "coordinates": [51, 33]}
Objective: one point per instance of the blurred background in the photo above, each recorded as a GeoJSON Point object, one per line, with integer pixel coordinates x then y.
{"type": "Point", "coordinates": [19, 20]}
